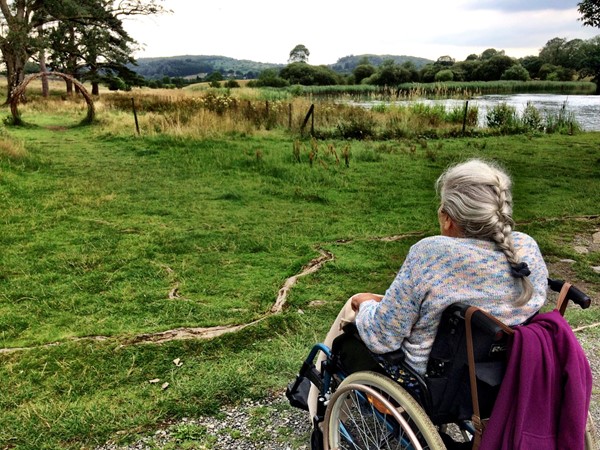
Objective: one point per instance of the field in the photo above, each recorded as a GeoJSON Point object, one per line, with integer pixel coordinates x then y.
{"type": "Point", "coordinates": [109, 239]}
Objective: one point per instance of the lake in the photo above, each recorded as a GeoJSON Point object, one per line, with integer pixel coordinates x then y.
{"type": "Point", "coordinates": [586, 108]}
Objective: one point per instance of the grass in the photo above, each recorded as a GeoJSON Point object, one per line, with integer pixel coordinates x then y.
{"type": "Point", "coordinates": [99, 226]}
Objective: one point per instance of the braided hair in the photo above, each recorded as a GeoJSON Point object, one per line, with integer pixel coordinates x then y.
{"type": "Point", "coordinates": [477, 196]}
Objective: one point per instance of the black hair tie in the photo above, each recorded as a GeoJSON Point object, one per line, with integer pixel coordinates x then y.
{"type": "Point", "coordinates": [520, 270]}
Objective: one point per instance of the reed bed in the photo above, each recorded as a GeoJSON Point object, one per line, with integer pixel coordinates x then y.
{"type": "Point", "coordinates": [451, 89]}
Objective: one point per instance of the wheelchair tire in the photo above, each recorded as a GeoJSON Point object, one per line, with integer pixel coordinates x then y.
{"type": "Point", "coordinates": [371, 411]}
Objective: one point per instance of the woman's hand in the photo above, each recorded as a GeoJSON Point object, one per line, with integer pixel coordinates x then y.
{"type": "Point", "coordinates": [357, 299]}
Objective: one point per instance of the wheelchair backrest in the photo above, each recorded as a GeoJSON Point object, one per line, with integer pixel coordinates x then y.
{"type": "Point", "coordinates": [447, 378]}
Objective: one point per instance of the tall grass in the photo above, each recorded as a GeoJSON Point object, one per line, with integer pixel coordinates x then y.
{"type": "Point", "coordinates": [451, 89]}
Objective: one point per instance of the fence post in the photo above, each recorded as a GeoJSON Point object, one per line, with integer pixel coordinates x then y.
{"type": "Point", "coordinates": [465, 117]}
{"type": "Point", "coordinates": [137, 125]}
{"type": "Point", "coordinates": [311, 113]}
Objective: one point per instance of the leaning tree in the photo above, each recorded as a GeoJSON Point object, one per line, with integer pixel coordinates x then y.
{"type": "Point", "coordinates": [21, 20]}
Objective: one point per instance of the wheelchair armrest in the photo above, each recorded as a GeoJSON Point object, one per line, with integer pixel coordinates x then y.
{"type": "Point", "coordinates": [395, 357]}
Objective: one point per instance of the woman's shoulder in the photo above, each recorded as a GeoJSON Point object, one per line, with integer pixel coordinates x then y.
{"type": "Point", "coordinates": [522, 239]}
{"type": "Point", "coordinates": [435, 244]}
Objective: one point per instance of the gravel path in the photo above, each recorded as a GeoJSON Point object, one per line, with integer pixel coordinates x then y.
{"type": "Point", "coordinates": [270, 424]}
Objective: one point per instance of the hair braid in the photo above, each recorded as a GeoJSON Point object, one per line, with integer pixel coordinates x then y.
{"type": "Point", "coordinates": [477, 196]}
{"type": "Point", "coordinates": [503, 236]}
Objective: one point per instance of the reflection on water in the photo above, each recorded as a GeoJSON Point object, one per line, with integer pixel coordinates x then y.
{"type": "Point", "coordinates": [586, 108]}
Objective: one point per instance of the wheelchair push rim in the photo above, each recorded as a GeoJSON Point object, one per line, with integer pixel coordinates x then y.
{"type": "Point", "coordinates": [370, 411]}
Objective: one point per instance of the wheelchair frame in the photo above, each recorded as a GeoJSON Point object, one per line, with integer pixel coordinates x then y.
{"type": "Point", "coordinates": [367, 409]}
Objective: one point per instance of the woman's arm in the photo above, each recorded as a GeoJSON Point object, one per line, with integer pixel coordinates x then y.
{"type": "Point", "coordinates": [357, 299]}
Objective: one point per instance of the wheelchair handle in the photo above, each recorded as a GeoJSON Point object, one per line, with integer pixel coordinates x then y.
{"type": "Point", "coordinates": [574, 294]}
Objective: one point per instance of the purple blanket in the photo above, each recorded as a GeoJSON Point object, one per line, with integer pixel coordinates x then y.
{"type": "Point", "coordinates": [545, 394]}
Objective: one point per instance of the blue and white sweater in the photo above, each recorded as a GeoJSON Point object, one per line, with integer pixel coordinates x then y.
{"type": "Point", "coordinates": [439, 271]}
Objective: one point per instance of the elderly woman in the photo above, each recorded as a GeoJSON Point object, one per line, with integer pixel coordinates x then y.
{"type": "Point", "coordinates": [477, 259]}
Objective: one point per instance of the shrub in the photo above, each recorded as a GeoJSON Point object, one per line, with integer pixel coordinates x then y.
{"type": "Point", "coordinates": [502, 116]}
{"type": "Point", "coordinates": [562, 121]}
{"type": "Point", "coordinates": [516, 72]}
{"type": "Point", "coordinates": [358, 124]}
{"type": "Point", "coordinates": [232, 84]}
{"type": "Point", "coordinates": [531, 118]}
{"type": "Point", "coordinates": [444, 75]}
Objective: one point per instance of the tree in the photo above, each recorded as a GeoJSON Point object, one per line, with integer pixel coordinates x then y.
{"type": "Point", "coordinates": [307, 75]}
{"type": "Point", "coordinates": [22, 19]}
{"type": "Point", "coordinates": [532, 64]}
{"type": "Point", "coordinates": [466, 70]}
{"type": "Point", "coordinates": [93, 50]}
{"type": "Point", "coordinates": [516, 72]}
{"type": "Point", "coordinates": [590, 12]}
{"type": "Point", "coordinates": [270, 77]}
{"type": "Point", "coordinates": [490, 53]}
{"type": "Point", "coordinates": [591, 61]}
{"type": "Point", "coordinates": [492, 69]}
{"type": "Point", "coordinates": [299, 54]}
{"type": "Point", "coordinates": [391, 74]}
{"type": "Point", "coordinates": [444, 75]}
{"type": "Point", "coordinates": [363, 71]}
{"type": "Point", "coordinates": [445, 61]}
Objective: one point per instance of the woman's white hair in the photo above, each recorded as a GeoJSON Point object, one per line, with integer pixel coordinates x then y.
{"type": "Point", "coordinates": [477, 197]}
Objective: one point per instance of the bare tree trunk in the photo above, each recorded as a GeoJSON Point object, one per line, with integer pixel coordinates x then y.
{"type": "Point", "coordinates": [45, 87]}
{"type": "Point", "coordinates": [71, 61]}
{"type": "Point", "coordinates": [15, 71]}
{"type": "Point", "coordinates": [12, 44]}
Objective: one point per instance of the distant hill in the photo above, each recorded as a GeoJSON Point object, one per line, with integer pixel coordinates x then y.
{"type": "Point", "coordinates": [192, 66]}
{"type": "Point", "coordinates": [189, 66]}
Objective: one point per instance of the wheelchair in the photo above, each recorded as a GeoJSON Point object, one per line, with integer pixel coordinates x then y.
{"type": "Point", "coordinates": [371, 401]}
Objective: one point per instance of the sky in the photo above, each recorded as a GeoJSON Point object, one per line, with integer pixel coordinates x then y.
{"type": "Point", "coordinates": [267, 30]}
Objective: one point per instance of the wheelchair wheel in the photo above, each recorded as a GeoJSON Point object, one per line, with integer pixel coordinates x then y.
{"type": "Point", "coordinates": [370, 411]}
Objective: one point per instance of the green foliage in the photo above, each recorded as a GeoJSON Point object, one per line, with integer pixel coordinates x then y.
{"type": "Point", "coordinates": [116, 84]}
{"type": "Point", "coordinates": [185, 66]}
{"type": "Point", "coordinates": [391, 74]}
{"type": "Point", "coordinates": [501, 116]}
{"type": "Point", "coordinates": [299, 54]}
{"type": "Point", "coordinates": [444, 75]}
{"type": "Point", "coordinates": [532, 119]}
{"type": "Point", "coordinates": [231, 84]}
{"type": "Point", "coordinates": [270, 78]}
{"type": "Point", "coordinates": [359, 124]}
{"type": "Point", "coordinates": [307, 75]}
{"type": "Point", "coordinates": [516, 72]}
{"type": "Point", "coordinates": [590, 12]}
{"type": "Point", "coordinates": [362, 71]}
{"type": "Point", "coordinates": [347, 64]}
{"type": "Point", "coordinates": [492, 68]}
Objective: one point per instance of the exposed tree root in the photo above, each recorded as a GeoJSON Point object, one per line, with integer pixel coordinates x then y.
{"type": "Point", "coordinates": [212, 332]}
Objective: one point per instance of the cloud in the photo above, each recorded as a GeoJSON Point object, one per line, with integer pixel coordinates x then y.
{"type": "Point", "coordinates": [524, 5]}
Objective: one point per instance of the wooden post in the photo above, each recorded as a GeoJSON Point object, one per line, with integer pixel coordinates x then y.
{"type": "Point", "coordinates": [137, 125]}
{"type": "Point", "coordinates": [465, 117]}
{"type": "Point", "coordinates": [311, 112]}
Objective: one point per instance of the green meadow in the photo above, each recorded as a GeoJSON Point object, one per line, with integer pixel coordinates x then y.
{"type": "Point", "coordinates": [108, 238]}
